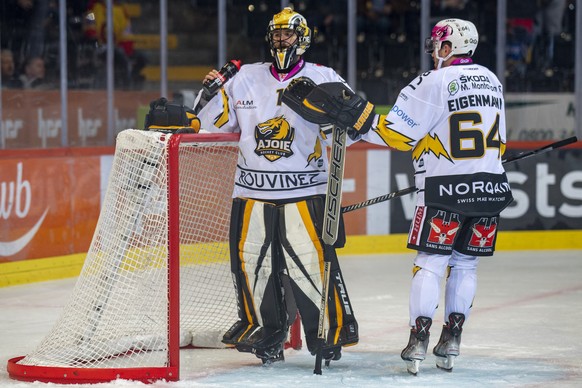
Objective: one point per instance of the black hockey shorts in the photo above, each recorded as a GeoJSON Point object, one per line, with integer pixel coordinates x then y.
{"type": "Point", "coordinates": [440, 231]}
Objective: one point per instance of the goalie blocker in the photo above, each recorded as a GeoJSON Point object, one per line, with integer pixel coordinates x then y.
{"type": "Point", "coordinates": [330, 102]}
{"type": "Point", "coordinates": [171, 117]}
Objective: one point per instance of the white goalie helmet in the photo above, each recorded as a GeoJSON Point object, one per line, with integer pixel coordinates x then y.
{"type": "Point", "coordinates": [462, 35]}
{"type": "Point", "coordinates": [288, 19]}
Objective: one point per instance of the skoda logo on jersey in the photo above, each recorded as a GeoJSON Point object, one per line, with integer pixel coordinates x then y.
{"type": "Point", "coordinates": [274, 138]}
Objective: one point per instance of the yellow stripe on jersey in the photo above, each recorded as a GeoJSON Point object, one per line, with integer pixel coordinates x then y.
{"type": "Point", "coordinates": [391, 137]}
{"type": "Point", "coordinates": [222, 118]}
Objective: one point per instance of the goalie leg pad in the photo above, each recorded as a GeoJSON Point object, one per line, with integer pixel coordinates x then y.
{"type": "Point", "coordinates": [238, 332]}
{"type": "Point", "coordinates": [255, 273]}
{"type": "Point", "coordinates": [304, 257]}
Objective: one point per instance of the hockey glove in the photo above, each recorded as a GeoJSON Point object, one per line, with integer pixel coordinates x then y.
{"type": "Point", "coordinates": [171, 117]}
{"type": "Point", "coordinates": [331, 102]}
{"type": "Point", "coordinates": [294, 96]}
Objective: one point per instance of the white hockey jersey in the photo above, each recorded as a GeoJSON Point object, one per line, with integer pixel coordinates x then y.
{"type": "Point", "coordinates": [281, 155]}
{"type": "Point", "coordinates": [453, 121]}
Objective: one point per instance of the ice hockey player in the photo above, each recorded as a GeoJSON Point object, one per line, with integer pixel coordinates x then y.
{"type": "Point", "coordinates": [452, 119]}
{"type": "Point", "coordinates": [277, 254]}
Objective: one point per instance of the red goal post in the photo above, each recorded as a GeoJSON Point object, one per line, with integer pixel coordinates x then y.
{"type": "Point", "coordinates": [157, 275]}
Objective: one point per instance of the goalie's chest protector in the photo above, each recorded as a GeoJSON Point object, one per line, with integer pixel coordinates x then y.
{"type": "Point", "coordinates": [281, 154]}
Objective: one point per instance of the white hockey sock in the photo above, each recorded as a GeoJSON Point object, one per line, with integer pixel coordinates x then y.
{"type": "Point", "coordinates": [460, 291]}
{"type": "Point", "coordinates": [426, 285]}
{"type": "Point", "coordinates": [424, 295]}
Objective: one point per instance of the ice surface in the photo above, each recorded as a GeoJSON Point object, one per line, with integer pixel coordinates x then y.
{"type": "Point", "coordinates": [525, 330]}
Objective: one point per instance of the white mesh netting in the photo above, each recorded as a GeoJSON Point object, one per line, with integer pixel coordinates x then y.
{"type": "Point", "coordinates": [117, 315]}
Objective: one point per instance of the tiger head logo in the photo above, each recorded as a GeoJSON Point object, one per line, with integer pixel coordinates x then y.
{"type": "Point", "coordinates": [274, 138]}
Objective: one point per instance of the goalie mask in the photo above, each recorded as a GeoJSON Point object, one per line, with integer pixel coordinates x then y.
{"type": "Point", "coordinates": [289, 37]}
{"type": "Point", "coordinates": [461, 34]}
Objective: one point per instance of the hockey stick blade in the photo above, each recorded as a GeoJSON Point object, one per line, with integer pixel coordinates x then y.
{"type": "Point", "coordinates": [408, 190]}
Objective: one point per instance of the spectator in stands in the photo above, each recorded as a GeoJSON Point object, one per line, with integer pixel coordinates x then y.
{"type": "Point", "coordinates": [464, 9]}
{"type": "Point", "coordinates": [333, 27]}
{"type": "Point", "coordinates": [331, 24]}
{"type": "Point", "coordinates": [519, 38]}
{"type": "Point", "coordinates": [128, 62]}
{"type": "Point", "coordinates": [9, 79]}
{"type": "Point", "coordinates": [373, 26]}
{"type": "Point", "coordinates": [14, 21]}
{"type": "Point", "coordinates": [448, 6]}
{"type": "Point", "coordinates": [548, 25]}
{"type": "Point", "coordinates": [33, 75]}
{"type": "Point", "coordinates": [374, 18]}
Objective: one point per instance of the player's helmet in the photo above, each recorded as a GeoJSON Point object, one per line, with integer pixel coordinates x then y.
{"type": "Point", "coordinates": [286, 55]}
{"type": "Point", "coordinates": [462, 35]}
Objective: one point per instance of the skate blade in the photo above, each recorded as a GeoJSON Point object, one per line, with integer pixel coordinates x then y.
{"type": "Point", "coordinates": [445, 363]}
{"type": "Point", "coordinates": [270, 361]}
{"type": "Point", "coordinates": [413, 366]}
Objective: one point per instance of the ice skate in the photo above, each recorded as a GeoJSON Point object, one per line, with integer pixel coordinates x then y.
{"type": "Point", "coordinates": [448, 347]}
{"type": "Point", "coordinates": [268, 344]}
{"type": "Point", "coordinates": [415, 352]}
{"type": "Point", "coordinates": [333, 353]}
{"type": "Point", "coordinates": [271, 355]}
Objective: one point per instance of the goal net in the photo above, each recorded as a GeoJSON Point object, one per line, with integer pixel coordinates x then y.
{"type": "Point", "coordinates": [157, 274]}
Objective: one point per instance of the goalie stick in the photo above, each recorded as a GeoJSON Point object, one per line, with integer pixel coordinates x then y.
{"type": "Point", "coordinates": [331, 218]}
{"type": "Point", "coordinates": [295, 96]}
{"type": "Point", "coordinates": [408, 190]}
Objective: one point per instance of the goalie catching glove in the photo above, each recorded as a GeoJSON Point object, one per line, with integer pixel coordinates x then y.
{"type": "Point", "coordinates": [330, 102]}
{"type": "Point", "coordinates": [171, 117]}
